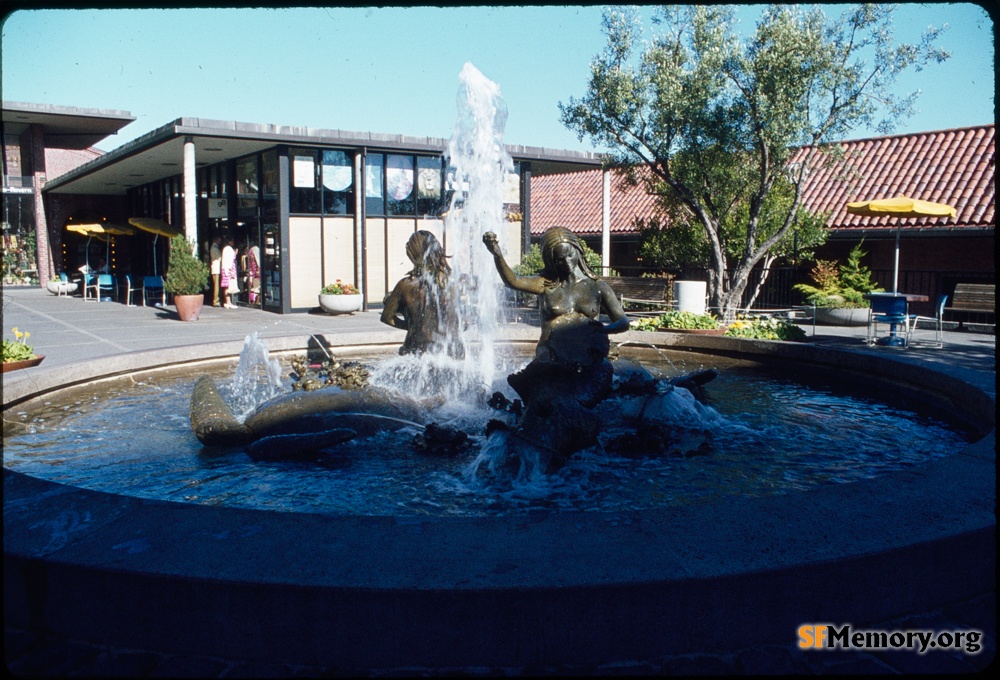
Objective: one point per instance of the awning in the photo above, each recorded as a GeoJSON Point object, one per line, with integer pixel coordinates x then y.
{"type": "Point", "coordinates": [155, 226]}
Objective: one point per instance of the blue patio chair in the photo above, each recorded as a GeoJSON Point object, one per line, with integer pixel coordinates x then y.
{"type": "Point", "coordinates": [103, 283]}
{"type": "Point", "coordinates": [938, 322]}
{"type": "Point", "coordinates": [131, 288]}
{"type": "Point", "coordinates": [889, 310]}
{"type": "Point", "coordinates": [152, 286]}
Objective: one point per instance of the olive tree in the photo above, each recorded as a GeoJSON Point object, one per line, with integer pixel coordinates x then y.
{"type": "Point", "coordinates": [708, 120]}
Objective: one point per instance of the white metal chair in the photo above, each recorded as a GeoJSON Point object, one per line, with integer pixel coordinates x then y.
{"type": "Point", "coordinates": [63, 287]}
{"type": "Point", "coordinates": [938, 322]}
{"type": "Point", "coordinates": [130, 288]}
{"type": "Point", "coordinates": [152, 286]}
{"type": "Point", "coordinates": [889, 310]}
{"type": "Point", "coordinates": [103, 283]}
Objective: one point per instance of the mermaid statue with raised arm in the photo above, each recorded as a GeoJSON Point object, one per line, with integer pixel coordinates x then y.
{"type": "Point", "coordinates": [571, 372]}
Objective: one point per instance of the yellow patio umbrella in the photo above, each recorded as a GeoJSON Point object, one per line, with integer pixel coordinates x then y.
{"type": "Point", "coordinates": [901, 207]}
{"type": "Point", "coordinates": [156, 227]}
{"type": "Point", "coordinates": [99, 227]}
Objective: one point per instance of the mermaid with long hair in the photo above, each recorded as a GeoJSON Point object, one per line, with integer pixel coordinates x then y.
{"type": "Point", "coordinates": [422, 302]}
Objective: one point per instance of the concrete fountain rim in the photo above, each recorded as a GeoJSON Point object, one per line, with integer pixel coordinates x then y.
{"type": "Point", "coordinates": [894, 536]}
{"type": "Point", "coordinates": [698, 530]}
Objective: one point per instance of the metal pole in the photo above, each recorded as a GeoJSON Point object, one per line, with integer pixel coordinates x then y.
{"type": "Point", "coordinates": [895, 269]}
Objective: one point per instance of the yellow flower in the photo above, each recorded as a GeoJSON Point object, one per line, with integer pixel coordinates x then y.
{"type": "Point", "coordinates": [17, 333]}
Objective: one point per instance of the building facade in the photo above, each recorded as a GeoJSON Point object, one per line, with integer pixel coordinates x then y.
{"type": "Point", "coordinates": [42, 141]}
{"type": "Point", "coordinates": [320, 205]}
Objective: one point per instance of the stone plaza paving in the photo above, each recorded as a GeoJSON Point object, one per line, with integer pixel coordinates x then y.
{"type": "Point", "coordinates": [69, 331]}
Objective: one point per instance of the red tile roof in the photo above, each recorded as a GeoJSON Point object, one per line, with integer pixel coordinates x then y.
{"type": "Point", "coordinates": [575, 200]}
{"type": "Point", "coordinates": [957, 167]}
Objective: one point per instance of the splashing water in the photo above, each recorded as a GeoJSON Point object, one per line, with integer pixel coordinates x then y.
{"type": "Point", "coordinates": [257, 378]}
{"type": "Point", "coordinates": [478, 167]}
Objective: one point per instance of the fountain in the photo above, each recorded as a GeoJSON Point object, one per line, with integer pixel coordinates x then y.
{"type": "Point", "coordinates": [538, 588]}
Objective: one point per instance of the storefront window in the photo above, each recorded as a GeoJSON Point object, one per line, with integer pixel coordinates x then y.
{"type": "Point", "coordinates": [247, 187]}
{"type": "Point", "coordinates": [399, 184]}
{"type": "Point", "coordinates": [374, 197]}
{"type": "Point", "coordinates": [429, 185]}
{"type": "Point", "coordinates": [269, 160]}
{"type": "Point", "coordinates": [338, 183]}
{"type": "Point", "coordinates": [305, 192]}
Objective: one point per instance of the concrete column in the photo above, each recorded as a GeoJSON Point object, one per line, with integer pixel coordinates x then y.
{"type": "Point", "coordinates": [360, 232]}
{"type": "Point", "coordinates": [190, 193]}
{"type": "Point", "coordinates": [606, 222]}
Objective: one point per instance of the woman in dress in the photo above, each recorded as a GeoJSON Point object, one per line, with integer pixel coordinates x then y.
{"type": "Point", "coordinates": [253, 272]}
{"type": "Point", "coordinates": [227, 272]}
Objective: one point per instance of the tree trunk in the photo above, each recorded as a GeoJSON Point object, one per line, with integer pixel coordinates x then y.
{"type": "Point", "coordinates": [765, 272]}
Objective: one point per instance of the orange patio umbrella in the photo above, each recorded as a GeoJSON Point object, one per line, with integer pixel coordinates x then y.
{"type": "Point", "coordinates": [900, 207]}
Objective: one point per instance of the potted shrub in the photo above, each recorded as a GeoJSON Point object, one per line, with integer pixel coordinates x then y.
{"type": "Point", "coordinates": [186, 279]}
{"type": "Point", "coordinates": [18, 353]}
{"type": "Point", "coordinates": [340, 298]}
{"type": "Point", "coordinates": [839, 291]}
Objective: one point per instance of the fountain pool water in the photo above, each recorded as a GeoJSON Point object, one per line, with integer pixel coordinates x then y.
{"type": "Point", "coordinates": [541, 587]}
{"type": "Point", "coordinates": [760, 433]}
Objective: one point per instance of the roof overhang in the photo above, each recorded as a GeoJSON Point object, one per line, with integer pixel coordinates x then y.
{"type": "Point", "coordinates": [160, 153]}
{"type": "Point", "coordinates": [67, 127]}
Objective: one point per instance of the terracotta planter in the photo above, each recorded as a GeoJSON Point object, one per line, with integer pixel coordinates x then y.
{"type": "Point", "coordinates": [27, 363]}
{"type": "Point", "coordinates": [340, 304]}
{"type": "Point", "coordinates": [189, 306]}
{"type": "Point", "coordinates": [694, 331]}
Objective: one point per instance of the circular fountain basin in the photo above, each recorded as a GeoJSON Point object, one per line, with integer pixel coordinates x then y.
{"type": "Point", "coordinates": [543, 588]}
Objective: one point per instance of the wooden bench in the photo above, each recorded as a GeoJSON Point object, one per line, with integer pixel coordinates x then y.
{"type": "Point", "coordinates": [972, 299]}
{"type": "Point", "coordinates": [641, 292]}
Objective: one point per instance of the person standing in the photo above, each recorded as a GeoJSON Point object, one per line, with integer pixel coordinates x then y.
{"type": "Point", "coordinates": [215, 263]}
{"type": "Point", "coordinates": [253, 272]}
{"type": "Point", "coordinates": [227, 272]}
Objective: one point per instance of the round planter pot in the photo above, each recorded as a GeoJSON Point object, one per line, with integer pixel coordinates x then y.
{"type": "Point", "coordinates": [340, 304]}
{"type": "Point", "coordinates": [61, 287]}
{"type": "Point", "coordinates": [837, 316]}
{"type": "Point", "coordinates": [27, 363]}
{"type": "Point", "coordinates": [189, 306]}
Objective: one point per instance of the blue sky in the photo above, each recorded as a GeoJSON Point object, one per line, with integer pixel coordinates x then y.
{"type": "Point", "coordinates": [390, 70]}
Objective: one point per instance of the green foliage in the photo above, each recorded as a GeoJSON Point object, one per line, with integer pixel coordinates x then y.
{"type": "Point", "coordinates": [712, 118]}
{"type": "Point", "coordinates": [19, 349]}
{"type": "Point", "coordinates": [671, 247]}
{"type": "Point", "coordinates": [186, 274]}
{"type": "Point", "coordinates": [339, 288]}
{"type": "Point", "coordinates": [765, 328]}
{"type": "Point", "coordinates": [843, 286]}
{"type": "Point", "coordinates": [532, 264]}
{"type": "Point", "coordinates": [675, 319]}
